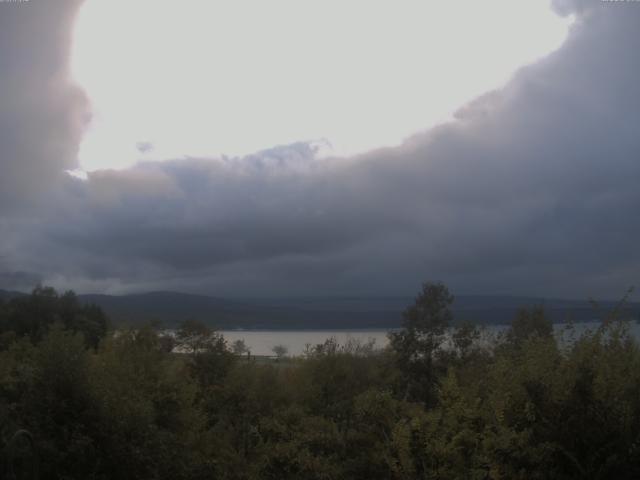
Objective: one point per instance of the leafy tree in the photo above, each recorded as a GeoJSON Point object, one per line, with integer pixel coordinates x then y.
{"type": "Point", "coordinates": [436, 404]}
{"type": "Point", "coordinates": [194, 337]}
{"type": "Point", "coordinates": [239, 347]}
{"type": "Point", "coordinates": [33, 315]}
{"type": "Point", "coordinates": [280, 351]}
{"type": "Point", "coordinates": [58, 407]}
{"type": "Point", "coordinates": [149, 422]}
{"type": "Point", "coordinates": [418, 343]}
{"type": "Point", "coordinates": [464, 338]}
{"type": "Point", "coordinates": [209, 359]}
{"type": "Point", "coordinates": [528, 323]}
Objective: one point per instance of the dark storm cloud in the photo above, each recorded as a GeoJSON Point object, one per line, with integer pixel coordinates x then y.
{"type": "Point", "coordinates": [533, 190]}
{"type": "Point", "coordinates": [41, 116]}
{"type": "Point", "coordinates": [19, 280]}
{"type": "Point", "coordinates": [41, 112]}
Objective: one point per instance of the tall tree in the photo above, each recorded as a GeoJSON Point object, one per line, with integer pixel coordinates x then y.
{"type": "Point", "coordinates": [417, 344]}
{"type": "Point", "coordinates": [209, 357]}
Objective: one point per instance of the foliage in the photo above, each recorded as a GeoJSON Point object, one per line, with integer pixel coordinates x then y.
{"type": "Point", "coordinates": [439, 403]}
{"type": "Point", "coordinates": [417, 345]}
{"type": "Point", "coordinates": [33, 315]}
{"type": "Point", "coordinates": [280, 350]}
{"type": "Point", "coordinates": [239, 347]}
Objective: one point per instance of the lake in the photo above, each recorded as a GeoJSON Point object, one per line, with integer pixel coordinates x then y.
{"type": "Point", "coordinates": [261, 342]}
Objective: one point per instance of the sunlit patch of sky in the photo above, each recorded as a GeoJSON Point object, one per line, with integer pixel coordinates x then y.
{"type": "Point", "coordinates": [169, 79]}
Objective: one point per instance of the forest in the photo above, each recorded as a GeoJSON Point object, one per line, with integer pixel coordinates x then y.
{"type": "Point", "coordinates": [80, 399]}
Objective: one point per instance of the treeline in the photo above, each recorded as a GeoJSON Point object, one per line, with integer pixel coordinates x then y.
{"type": "Point", "coordinates": [78, 401]}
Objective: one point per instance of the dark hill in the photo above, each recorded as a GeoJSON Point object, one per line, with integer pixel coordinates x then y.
{"type": "Point", "coordinates": [170, 308]}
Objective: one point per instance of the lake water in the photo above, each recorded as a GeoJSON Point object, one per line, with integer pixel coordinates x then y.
{"type": "Point", "coordinates": [261, 342]}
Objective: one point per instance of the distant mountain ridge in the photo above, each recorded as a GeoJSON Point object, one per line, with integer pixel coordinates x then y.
{"type": "Point", "coordinates": [9, 294]}
{"type": "Point", "coordinates": [170, 308]}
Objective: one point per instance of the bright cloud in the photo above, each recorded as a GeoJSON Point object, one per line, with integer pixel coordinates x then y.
{"type": "Point", "coordinates": [205, 78]}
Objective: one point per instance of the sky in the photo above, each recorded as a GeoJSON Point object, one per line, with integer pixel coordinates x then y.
{"type": "Point", "coordinates": [266, 149]}
{"type": "Point", "coordinates": [241, 76]}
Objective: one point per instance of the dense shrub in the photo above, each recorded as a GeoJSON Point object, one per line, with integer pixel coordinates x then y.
{"type": "Point", "coordinates": [439, 403]}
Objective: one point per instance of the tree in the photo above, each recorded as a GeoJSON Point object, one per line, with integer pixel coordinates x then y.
{"type": "Point", "coordinates": [280, 351]}
{"type": "Point", "coordinates": [209, 358]}
{"type": "Point", "coordinates": [194, 337]}
{"type": "Point", "coordinates": [58, 406]}
{"type": "Point", "coordinates": [149, 420]}
{"type": "Point", "coordinates": [464, 337]}
{"type": "Point", "coordinates": [239, 347]}
{"type": "Point", "coordinates": [33, 315]}
{"type": "Point", "coordinates": [416, 346]}
{"type": "Point", "coordinates": [528, 323]}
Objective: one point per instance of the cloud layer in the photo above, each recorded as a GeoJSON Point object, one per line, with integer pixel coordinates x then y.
{"type": "Point", "coordinates": [532, 190]}
{"type": "Point", "coordinates": [41, 112]}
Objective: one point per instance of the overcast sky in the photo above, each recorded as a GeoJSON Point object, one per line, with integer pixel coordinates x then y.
{"type": "Point", "coordinates": [531, 188]}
